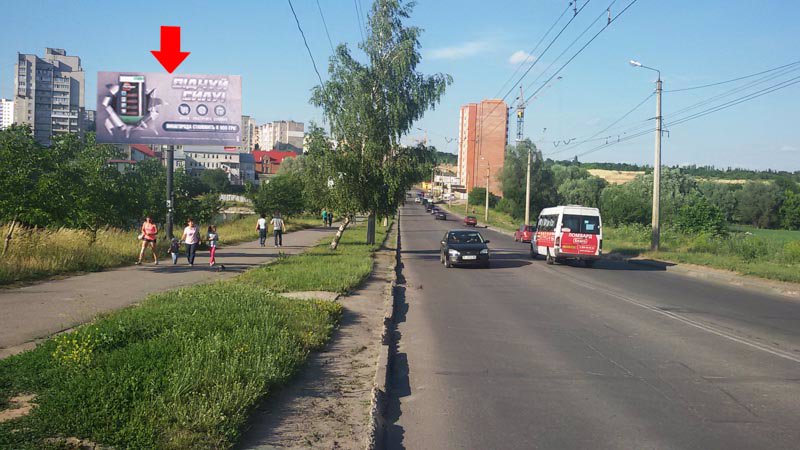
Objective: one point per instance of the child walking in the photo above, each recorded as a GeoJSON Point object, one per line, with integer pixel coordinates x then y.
{"type": "Point", "coordinates": [174, 248]}
{"type": "Point", "coordinates": [213, 237]}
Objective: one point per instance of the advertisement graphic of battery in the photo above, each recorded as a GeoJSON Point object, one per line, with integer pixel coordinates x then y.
{"type": "Point", "coordinates": [169, 109]}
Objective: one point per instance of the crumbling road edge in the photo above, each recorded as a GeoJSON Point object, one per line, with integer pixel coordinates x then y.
{"type": "Point", "coordinates": [388, 347]}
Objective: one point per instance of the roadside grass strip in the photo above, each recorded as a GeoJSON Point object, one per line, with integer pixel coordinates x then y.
{"type": "Point", "coordinates": [38, 253]}
{"type": "Point", "coordinates": [772, 254]}
{"type": "Point", "coordinates": [183, 369]}
{"type": "Point", "coordinates": [320, 268]}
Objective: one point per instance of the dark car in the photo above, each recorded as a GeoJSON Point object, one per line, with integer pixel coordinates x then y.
{"type": "Point", "coordinates": [470, 221]}
{"type": "Point", "coordinates": [428, 207]}
{"type": "Point", "coordinates": [464, 247]}
{"type": "Point", "coordinates": [435, 210]}
{"type": "Point", "coordinates": [440, 215]}
{"type": "Point", "coordinates": [524, 233]}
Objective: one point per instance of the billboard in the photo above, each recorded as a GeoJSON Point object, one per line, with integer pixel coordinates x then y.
{"type": "Point", "coordinates": [170, 109]}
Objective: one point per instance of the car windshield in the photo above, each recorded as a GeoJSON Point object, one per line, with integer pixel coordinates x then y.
{"type": "Point", "coordinates": [465, 237]}
{"type": "Point", "coordinates": [470, 218]}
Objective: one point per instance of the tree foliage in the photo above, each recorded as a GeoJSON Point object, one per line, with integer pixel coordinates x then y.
{"type": "Point", "coordinates": [513, 180]}
{"type": "Point", "coordinates": [758, 204]}
{"type": "Point", "coordinates": [369, 106]}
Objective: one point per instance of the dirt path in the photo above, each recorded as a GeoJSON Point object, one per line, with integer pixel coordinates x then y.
{"type": "Point", "coordinates": [327, 404]}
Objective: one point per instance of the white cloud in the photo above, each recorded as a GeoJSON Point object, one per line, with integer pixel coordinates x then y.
{"type": "Point", "coordinates": [464, 50]}
{"type": "Point", "coordinates": [520, 56]}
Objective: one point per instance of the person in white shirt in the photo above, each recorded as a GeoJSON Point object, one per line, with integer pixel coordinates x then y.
{"type": "Point", "coordinates": [278, 227]}
{"type": "Point", "coordinates": [261, 227]}
{"type": "Point", "coordinates": [191, 237]}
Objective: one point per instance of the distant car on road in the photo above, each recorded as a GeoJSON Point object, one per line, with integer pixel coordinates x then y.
{"type": "Point", "coordinates": [440, 215]}
{"type": "Point", "coordinates": [464, 247]}
{"type": "Point", "coordinates": [524, 233]}
{"type": "Point", "coordinates": [470, 221]}
{"type": "Point", "coordinates": [428, 207]}
{"type": "Point", "coordinates": [435, 209]}
{"type": "Point", "coordinates": [417, 200]}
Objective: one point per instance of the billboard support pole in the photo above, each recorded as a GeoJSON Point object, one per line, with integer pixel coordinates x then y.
{"type": "Point", "coordinates": [170, 191]}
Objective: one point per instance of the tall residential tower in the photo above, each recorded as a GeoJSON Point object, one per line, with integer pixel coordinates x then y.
{"type": "Point", "coordinates": [482, 138]}
{"type": "Point", "coordinates": [48, 93]}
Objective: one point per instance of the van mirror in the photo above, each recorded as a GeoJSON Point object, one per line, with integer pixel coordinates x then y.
{"type": "Point", "coordinates": [486, 241]}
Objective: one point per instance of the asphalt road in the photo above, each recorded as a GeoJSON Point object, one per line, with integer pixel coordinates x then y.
{"type": "Point", "coordinates": [622, 356]}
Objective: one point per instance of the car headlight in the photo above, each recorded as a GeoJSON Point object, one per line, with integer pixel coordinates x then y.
{"type": "Point", "coordinates": [452, 252]}
{"type": "Point", "coordinates": [485, 251]}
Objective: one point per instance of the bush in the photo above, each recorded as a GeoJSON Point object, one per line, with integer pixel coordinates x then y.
{"type": "Point", "coordinates": [791, 252]}
{"type": "Point", "coordinates": [477, 196]}
{"type": "Point", "coordinates": [697, 215]}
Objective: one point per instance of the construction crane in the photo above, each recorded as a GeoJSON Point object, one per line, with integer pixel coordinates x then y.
{"type": "Point", "coordinates": [521, 104]}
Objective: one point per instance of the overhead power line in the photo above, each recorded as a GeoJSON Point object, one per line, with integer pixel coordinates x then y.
{"type": "Point", "coordinates": [533, 51]}
{"type": "Point", "coordinates": [574, 41]}
{"type": "Point", "coordinates": [325, 24]}
{"type": "Point", "coordinates": [360, 22]}
{"type": "Point", "coordinates": [314, 63]}
{"type": "Point", "coordinates": [776, 87]}
{"type": "Point", "coordinates": [734, 79]}
{"type": "Point", "coordinates": [610, 21]}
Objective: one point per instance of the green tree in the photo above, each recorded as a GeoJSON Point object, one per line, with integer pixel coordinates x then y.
{"type": "Point", "coordinates": [216, 180]}
{"type": "Point", "coordinates": [622, 204]}
{"type": "Point", "coordinates": [477, 196]}
{"type": "Point", "coordinates": [758, 204]}
{"type": "Point", "coordinates": [790, 211]}
{"type": "Point", "coordinates": [283, 193]}
{"type": "Point", "coordinates": [369, 106]}
{"type": "Point", "coordinates": [513, 181]}
{"type": "Point", "coordinates": [698, 215]}
{"type": "Point", "coordinates": [582, 191]}
{"type": "Point", "coordinates": [723, 195]}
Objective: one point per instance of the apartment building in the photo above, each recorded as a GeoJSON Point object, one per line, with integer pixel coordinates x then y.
{"type": "Point", "coordinates": [282, 135]}
{"type": "Point", "coordinates": [240, 166]}
{"type": "Point", "coordinates": [248, 133]}
{"type": "Point", "coordinates": [6, 113]}
{"type": "Point", "coordinates": [49, 93]}
{"type": "Point", "coordinates": [482, 138]}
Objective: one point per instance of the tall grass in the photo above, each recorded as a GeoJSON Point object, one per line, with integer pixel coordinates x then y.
{"type": "Point", "coordinates": [37, 253]}
{"type": "Point", "coordinates": [773, 254]}
{"type": "Point", "coordinates": [184, 369]}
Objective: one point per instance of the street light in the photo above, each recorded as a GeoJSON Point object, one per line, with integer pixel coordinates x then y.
{"type": "Point", "coordinates": [656, 233]}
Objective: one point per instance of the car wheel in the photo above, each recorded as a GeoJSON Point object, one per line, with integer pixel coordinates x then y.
{"type": "Point", "coordinates": [447, 263]}
{"type": "Point", "coordinates": [589, 263]}
{"type": "Point", "coordinates": [549, 258]}
{"type": "Point", "coordinates": [486, 265]}
{"type": "Point", "coordinates": [534, 255]}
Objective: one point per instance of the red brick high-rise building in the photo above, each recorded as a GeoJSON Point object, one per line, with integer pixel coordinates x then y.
{"type": "Point", "coordinates": [482, 137]}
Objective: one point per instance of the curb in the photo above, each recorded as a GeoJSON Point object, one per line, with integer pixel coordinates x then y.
{"type": "Point", "coordinates": [379, 400]}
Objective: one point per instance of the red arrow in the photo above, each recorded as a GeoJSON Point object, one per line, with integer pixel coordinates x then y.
{"type": "Point", "coordinates": [170, 56]}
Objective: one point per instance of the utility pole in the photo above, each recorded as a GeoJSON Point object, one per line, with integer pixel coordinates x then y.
{"type": "Point", "coordinates": [656, 237]}
{"type": "Point", "coordinates": [520, 127]}
{"type": "Point", "coordinates": [170, 191]}
{"type": "Point", "coordinates": [486, 211]}
{"type": "Point", "coordinates": [656, 219]}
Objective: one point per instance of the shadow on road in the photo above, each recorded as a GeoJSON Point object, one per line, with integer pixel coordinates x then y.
{"type": "Point", "coordinates": [644, 265]}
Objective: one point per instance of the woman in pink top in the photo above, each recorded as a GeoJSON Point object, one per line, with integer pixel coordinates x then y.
{"type": "Point", "coordinates": [149, 231]}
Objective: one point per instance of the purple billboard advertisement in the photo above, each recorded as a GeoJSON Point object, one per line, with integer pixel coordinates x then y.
{"type": "Point", "coordinates": [170, 109]}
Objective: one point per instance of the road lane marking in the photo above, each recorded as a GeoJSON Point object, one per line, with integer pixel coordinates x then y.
{"type": "Point", "coordinates": [705, 327]}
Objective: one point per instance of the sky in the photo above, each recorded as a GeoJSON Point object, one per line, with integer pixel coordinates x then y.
{"type": "Point", "coordinates": [480, 44]}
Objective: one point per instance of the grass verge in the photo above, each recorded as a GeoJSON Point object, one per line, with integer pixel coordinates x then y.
{"type": "Point", "coordinates": [37, 253]}
{"type": "Point", "coordinates": [183, 369]}
{"type": "Point", "coordinates": [772, 254]}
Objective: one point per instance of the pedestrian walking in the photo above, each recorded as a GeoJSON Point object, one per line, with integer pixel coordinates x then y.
{"type": "Point", "coordinates": [190, 237]}
{"type": "Point", "coordinates": [148, 234]}
{"type": "Point", "coordinates": [330, 218]}
{"type": "Point", "coordinates": [278, 228]}
{"type": "Point", "coordinates": [174, 248]}
{"type": "Point", "coordinates": [213, 237]}
{"type": "Point", "coordinates": [324, 218]}
{"type": "Point", "coordinates": [261, 227]}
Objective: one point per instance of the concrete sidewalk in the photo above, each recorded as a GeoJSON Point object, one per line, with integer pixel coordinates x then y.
{"type": "Point", "coordinates": [34, 312]}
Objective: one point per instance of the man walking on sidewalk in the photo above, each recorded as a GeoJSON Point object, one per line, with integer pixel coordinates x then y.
{"type": "Point", "coordinates": [261, 227]}
{"type": "Point", "coordinates": [278, 228]}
